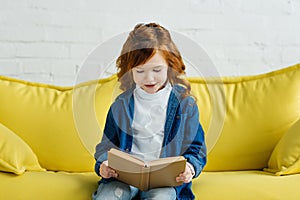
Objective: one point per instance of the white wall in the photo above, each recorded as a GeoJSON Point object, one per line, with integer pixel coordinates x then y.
{"type": "Point", "coordinates": [46, 41]}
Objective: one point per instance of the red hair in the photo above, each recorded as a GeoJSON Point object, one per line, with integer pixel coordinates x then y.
{"type": "Point", "coordinates": [142, 43]}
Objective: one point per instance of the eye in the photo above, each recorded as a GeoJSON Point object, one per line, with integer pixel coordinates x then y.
{"type": "Point", "coordinates": [157, 70]}
{"type": "Point", "coordinates": [139, 71]}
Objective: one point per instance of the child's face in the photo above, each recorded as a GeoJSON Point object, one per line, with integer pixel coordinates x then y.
{"type": "Point", "coordinates": [151, 75]}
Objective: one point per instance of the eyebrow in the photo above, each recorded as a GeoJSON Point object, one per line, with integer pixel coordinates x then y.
{"type": "Point", "coordinates": [161, 65]}
{"type": "Point", "coordinates": [156, 66]}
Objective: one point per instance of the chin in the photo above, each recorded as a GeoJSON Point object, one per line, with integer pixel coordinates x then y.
{"type": "Point", "coordinates": [150, 91]}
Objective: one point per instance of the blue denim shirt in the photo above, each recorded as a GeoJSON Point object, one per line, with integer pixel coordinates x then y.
{"type": "Point", "coordinates": [183, 134]}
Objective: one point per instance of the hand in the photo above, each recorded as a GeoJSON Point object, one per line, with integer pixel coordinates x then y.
{"type": "Point", "coordinates": [105, 171]}
{"type": "Point", "coordinates": [187, 175]}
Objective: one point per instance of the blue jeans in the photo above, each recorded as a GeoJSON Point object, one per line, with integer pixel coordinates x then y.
{"type": "Point", "coordinates": [116, 190]}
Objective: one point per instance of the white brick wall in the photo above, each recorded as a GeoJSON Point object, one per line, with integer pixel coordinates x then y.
{"type": "Point", "coordinates": [46, 41]}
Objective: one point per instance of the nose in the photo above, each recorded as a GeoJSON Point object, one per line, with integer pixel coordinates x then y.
{"type": "Point", "coordinates": [149, 77]}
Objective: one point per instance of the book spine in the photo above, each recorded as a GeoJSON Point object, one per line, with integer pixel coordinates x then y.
{"type": "Point", "coordinates": [144, 184]}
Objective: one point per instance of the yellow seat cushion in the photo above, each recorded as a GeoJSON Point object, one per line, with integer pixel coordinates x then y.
{"type": "Point", "coordinates": [285, 158]}
{"type": "Point", "coordinates": [48, 186]}
{"type": "Point", "coordinates": [15, 155]}
{"type": "Point", "coordinates": [245, 185]}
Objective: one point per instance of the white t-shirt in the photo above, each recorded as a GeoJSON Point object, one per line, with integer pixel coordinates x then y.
{"type": "Point", "coordinates": [149, 121]}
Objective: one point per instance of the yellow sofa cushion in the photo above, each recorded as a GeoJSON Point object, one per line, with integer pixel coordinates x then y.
{"type": "Point", "coordinates": [48, 186]}
{"type": "Point", "coordinates": [285, 158]}
{"type": "Point", "coordinates": [59, 123]}
{"type": "Point", "coordinates": [245, 185]}
{"type": "Point", "coordinates": [15, 155]}
{"type": "Point", "coordinates": [244, 117]}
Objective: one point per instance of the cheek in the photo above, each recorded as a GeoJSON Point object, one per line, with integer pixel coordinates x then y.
{"type": "Point", "coordinates": [164, 76]}
{"type": "Point", "coordinates": [137, 79]}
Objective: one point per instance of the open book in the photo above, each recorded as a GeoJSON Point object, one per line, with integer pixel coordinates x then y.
{"type": "Point", "coordinates": [146, 175]}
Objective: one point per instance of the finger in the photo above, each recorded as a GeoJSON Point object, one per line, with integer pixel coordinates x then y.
{"type": "Point", "coordinates": [110, 170]}
{"type": "Point", "coordinates": [108, 175]}
{"type": "Point", "coordinates": [103, 172]}
{"type": "Point", "coordinates": [106, 168]}
{"type": "Point", "coordinates": [113, 174]}
{"type": "Point", "coordinates": [104, 175]}
{"type": "Point", "coordinates": [187, 172]}
{"type": "Point", "coordinates": [179, 179]}
{"type": "Point", "coordinates": [107, 172]}
{"type": "Point", "coordinates": [188, 175]}
{"type": "Point", "coordinates": [188, 179]}
{"type": "Point", "coordinates": [185, 177]}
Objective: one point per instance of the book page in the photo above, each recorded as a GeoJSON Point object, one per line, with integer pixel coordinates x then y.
{"type": "Point", "coordinates": [165, 174]}
{"type": "Point", "coordinates": [126, 156]}
{"type": "Point", "coordinates": [166, 160]}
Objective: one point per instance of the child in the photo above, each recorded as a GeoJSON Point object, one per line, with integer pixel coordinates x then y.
{"type": "Point", "coordinates": [154, 117]}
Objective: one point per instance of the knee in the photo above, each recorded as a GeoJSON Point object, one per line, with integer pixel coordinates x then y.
{"type": "Point", "coordinates": [160, 193]}
{"type": "Point", "coordinates": [112, 191]}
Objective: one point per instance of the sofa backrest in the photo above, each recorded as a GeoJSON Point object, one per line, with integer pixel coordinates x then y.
{"type": "Point", "coordinates": [243, 117]}
{"type": "Point", "coordinates": [59, 123]}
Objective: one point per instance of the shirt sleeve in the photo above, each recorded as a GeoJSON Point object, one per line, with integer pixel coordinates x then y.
{"type": "Point", "coordinates": [108, 141]}
{"type": "Point", "coordinates": [194, 142]}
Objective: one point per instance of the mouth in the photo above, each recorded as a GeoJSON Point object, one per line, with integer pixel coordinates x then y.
{"type": "Point", "coordinates": [149, 85]}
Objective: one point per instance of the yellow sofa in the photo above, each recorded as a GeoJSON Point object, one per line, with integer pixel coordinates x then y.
{"type": "Point", "coordinates": [48, 135]}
